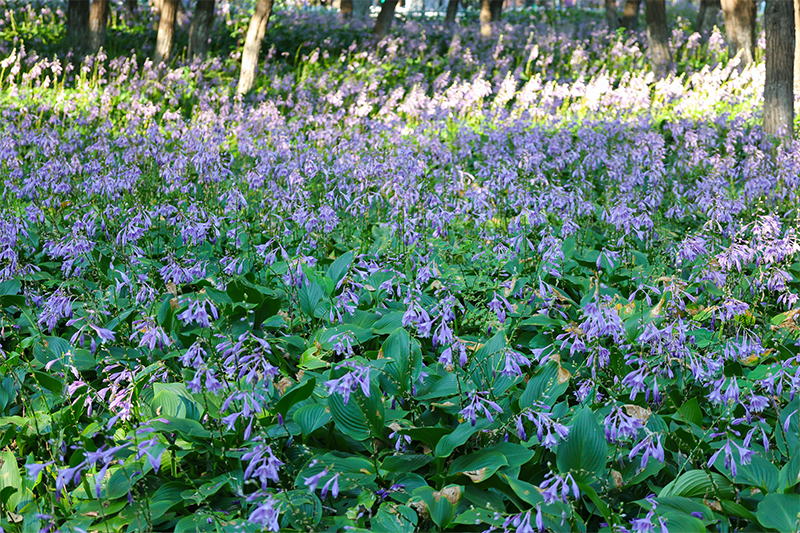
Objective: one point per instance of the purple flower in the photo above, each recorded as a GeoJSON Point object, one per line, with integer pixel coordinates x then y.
{"type": "Point", "coordinates": [500, 305]}
{"type": "Point", "coordinates": [651, 445]}
{"type": "Point", "coordinates": [333, 484]}
{"type": "Point", "coordinates": [477, 404]}
{"type": "Point", "coordinates": [266, 515]}
{"type": "Point", "coordinates": [350, 382]}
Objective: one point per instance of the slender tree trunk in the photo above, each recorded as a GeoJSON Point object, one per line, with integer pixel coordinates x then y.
{"type": "Point", "coordinates": [452, 11]}
{"type": "Point", "coordinates": [740, 28]}
{"type": "Point", "coordinates": [133, 7]}
{"type": "Point", "coordinates": [779, 67]}
{"type": "Point", "coordinates": [77, 21]}
{"type": "Point", "coordinates": [485, 18]}
{"type": "Point", "coordinates": [252, 45]}
{"type": "Point", "coordinates": [384, 20]}
{"type": "Point", "coordinates": [796, 46]}
{"type": "Point", "coordinates": [166, 31]}
{"type": "Point", "coordinates": [200, 30]}
{"type": "Point", "coordinates": [707, 17]}
{"type": "Point", "coordinates": [657, 36]}
{"type": "Point", "coordinates": [496, 9]}
{"type": "Point", "coordinates": [98, 19]}
{"type": "Point", "coordinates": [611, 15]}
{"type": "Point", "coordinates": [346, 9]}
{"type": "Point", "coordinates": [630, 15]}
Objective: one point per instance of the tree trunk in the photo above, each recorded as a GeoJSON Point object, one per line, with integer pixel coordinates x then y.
{"type": "Point", "coordinates": [496, 9]}
{"type": "Point", "coordinates": [166, 31]}
{"type": "Point", "coordinates": [796, 46]}
{"type": "Point", "coordinates": [200, 30]}
{"type": "Point", "coordinates": [779, 67]}
{"type": "Point", "coordinates": [384, 20]}
{"type": "Point", "coordinates": [740, 28]}
{"type": "Point", "coordinates": [611, 15]}
{"type": "Point", "coordinates": [98, 18]}
{"type": "Point", "coordinates": [452, 11]}
{"type": "Point", "coordinates": [77, 21]}
{"type": "Point", "coordinates": [252, 45]}
{"type": "Point", "coordinates": [707, 17]}
{"type": "Point", "coordinates": [346, 9]}
{"type": "Point", "coordinates": [133, 8]}
{"type": "Point", "coordinates": [657, 36]}
{"type": "Point", "coordinates": [630, 15]}
{"type": "Point", "coordinates": [485, 18]}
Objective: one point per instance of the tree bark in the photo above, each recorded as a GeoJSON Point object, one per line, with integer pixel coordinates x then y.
{"type": "Point", "coordinates": [779, 67]}
{"type": "Point", "coordinates": [707, 17]}
{"type": "Point", "coordinates": [740, 28]}
{"type": "Point", "coordinates": [200, 30]}
{"type": "Point", "coordinates": [657, 36]}
{"type": "Point", "coordinates": [611, 15]}
{"type": "Point", "coordinates": [452, 11]}
{"type": "Point", "coordinates": [384, 20]}
{"type": "Point", "coordinates": [98, 19]}
{"type": "Point", "coordinates": [346, 9]}
{"type": "Point", "coordinates": [77, 21]}
{"type": "Point", "coordinates": [496, 10]}
{"type": "Point", "coordinates": [252, 45]}
{"type": "Point", "coordinates": [166, 31]}
{"type": "Point", "coordinates": [796, 46]}
{"type": "Point", "coordinates": [133, 7]}
{"type": "Point", "coordinates": [630, 15]}
{"type": "Point", "coordinates": [485, 18]}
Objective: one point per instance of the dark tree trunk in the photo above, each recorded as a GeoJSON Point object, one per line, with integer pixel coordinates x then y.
{"type": "Point", "coordinates": [706, 17]}
{"type": "Point", "coordinates": [452, 11]}
{"type": "Point", "coordinates": [133, 8]}
{"type": "Point", "coordinates": [740, 28]}
{"type": "Point", "coordinates": [496, 9]}
{"type": "Point", "coordinates": [630, 15]}
{"type": "Point", "coordinates": [166, 31]}
{"type": "Point", "coordinates": [611, 15]}
{"type": "Point", "coordinates": [657, 36]}
{"type": "Point", "coordinates": [779, 67]}
{"type": "Point", "coordinates": [252, 45]}
{"type": "Point", "coordinates": [485, 18]}
{"type": "Point", "coordinates": [796, 46]}
{"type": "Point", "coordinates": [98, 19]}
{"type": "Point", "coordinates": [77, 21]}
{"type": "Point", "coordinates": [384, 20]}
{"type": "Point", "coordinates": [200, 30]}
{"type": "Point", "coordinates": [346, 9]}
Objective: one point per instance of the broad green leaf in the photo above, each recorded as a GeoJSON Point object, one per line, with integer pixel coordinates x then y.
{"type": "Point", "coordinates": [296, 394]}
{"type": "Point", "coordinates": [585, 451]}
{"type": "Point", "coordinates": [309, 296]}
{"type": "Point", "coordinates": [10, 480]}
{"type": "Point", "coordinates": [781, 512]}
{"type": "Point", "coordinates": [543, 387]}
{"type": "Point", "coordinates": [310, 418]}
{"type": "Point", "coordinates": [393, 518]}
{"type": "Point", "coordinates": [462, 433]}
{"type": "Point", "coordinates": [478, 466]}
{"type": "Point", "coordinates": [683, 523]}
{"type": "Point", "coordinates": [405, 462]}
{"type": "Point", "coordinates": [442, 504]}
{"type": "Point", "coordinates": [338, 269]}
{"type": "Point", "coordinates": [700, 484]}
{"type": "Point", "coordinates": [790, 474]}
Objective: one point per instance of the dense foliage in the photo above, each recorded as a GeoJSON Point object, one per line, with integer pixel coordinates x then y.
{"type": "Point", "coordinates": [438, 283]}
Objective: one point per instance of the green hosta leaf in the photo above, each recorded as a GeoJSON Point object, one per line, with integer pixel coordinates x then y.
{"type": "Point", "coordinates": [349, 418]}
{"type": "Point", "coordinates": [442, 504]}
{"type": "Point", "coordinates": [698, 484]}
{"type": "Point", "coordinates": [790, 474]}
{"type": "Point", "coordinates": [172, 399]}
{"type": "Point", "coordinates": [397, 348]}
{"type": "Point", "coordinates": [405, 463]}
{"type": "Point", "coordinates": [10, 480]}
{"type": "Point", "coordinates": [393, 518]}
{"type": "Point", "coordinates": [122, 479]}
{"type": "Point", "coordinates": [462, 433]}
{"type": "Point", "coordinates": [758, 473]}
{"type": "Point", "coordinates": [309, 296]}
{"type": "Point", "coordinates": [684, 523]}
{"type": "Point", "coordinates": [339, 267]}
{"type": "Point", "coordinates": [478, 466]}
{"type": "Point", "coordinates": [527, 492]}
{"type": "Point", "coordinates": [296, 394]}
{"type": "Point", "coordinates": [355, 473]}
{"type": "Point", "coordinates": [194, 524]}
{"type": "Point", "coordinates": [543, 387]}
{"type": "Point", "coordinates": [781, 512]}
{"type": "Point", "coordinates": [584, 452]}
{"type": "Point", "coordinates": [310, 418]}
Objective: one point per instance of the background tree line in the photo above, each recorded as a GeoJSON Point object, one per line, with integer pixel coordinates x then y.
{"type": "Point", "coordinates": [87, 22]}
